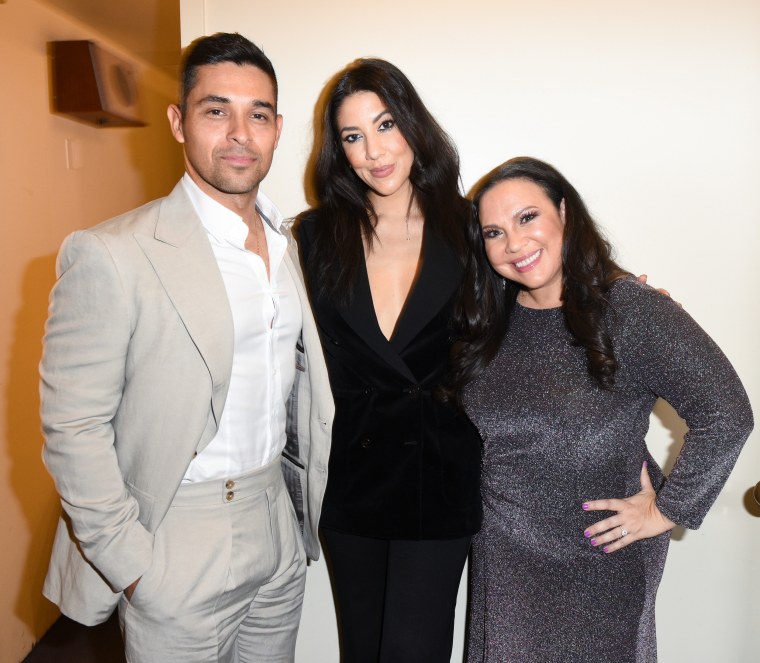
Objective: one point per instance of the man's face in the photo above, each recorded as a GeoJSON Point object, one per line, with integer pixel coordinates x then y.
{"type": "Point", "coordinates": [229, 131]}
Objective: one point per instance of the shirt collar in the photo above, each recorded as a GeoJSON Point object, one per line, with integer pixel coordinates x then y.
{"type": "Point", "coordinates": [222, 223]}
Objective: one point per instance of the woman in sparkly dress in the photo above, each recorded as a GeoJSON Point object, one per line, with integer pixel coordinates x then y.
{"type": "Point", "coordinates": [565, 355]}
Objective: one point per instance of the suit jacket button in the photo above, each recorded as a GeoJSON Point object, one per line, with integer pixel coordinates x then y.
{"type": "Point", "coordinates": [229, 496]}
{"type": "Point", "coordinates": [366, 443]}
{"type": "Point", "coordinates": [230, 484]}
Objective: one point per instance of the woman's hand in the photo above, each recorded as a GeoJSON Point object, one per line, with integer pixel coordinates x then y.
{"type": "Point", "coordinates": [637, 518]}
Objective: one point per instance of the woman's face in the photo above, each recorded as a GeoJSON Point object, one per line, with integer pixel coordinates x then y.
{"type": "Point", "coordinates": [522, 231]}
{"type": "Point", "coordinates": [374, 145]}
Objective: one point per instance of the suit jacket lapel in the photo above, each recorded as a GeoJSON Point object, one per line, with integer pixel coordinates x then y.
{"type": "Point", "coordinates": [292, 262]}
{"type": "Point", "coordinates": [186, 266]}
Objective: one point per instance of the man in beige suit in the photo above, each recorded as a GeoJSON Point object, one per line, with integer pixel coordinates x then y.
{"type": "Point", "coordinates": [185, 401]}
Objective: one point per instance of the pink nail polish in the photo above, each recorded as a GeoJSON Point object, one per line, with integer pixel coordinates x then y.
{"type": "Point", "coordinates": [585, 506]}
{"type": "Point", "coordinates": [606, 549]}
{"type": "Point", "coordinates": [587, 534]}
{"type": "Point", "coordinates": [646, 463]}
{"type": "Point", "coordinates": [593, 542]}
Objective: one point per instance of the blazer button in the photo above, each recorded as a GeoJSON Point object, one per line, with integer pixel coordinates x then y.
{"type": "Point", "coordinates": [412, 391]}
{"type": "Point", "coordinates": [366, 443]}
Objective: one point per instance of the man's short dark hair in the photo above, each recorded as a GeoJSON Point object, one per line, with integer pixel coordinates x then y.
{"type": "Point", "coordinates": [215, 49]}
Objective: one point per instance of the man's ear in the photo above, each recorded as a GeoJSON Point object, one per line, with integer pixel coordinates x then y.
{"type": "Point", "coordinates": [175, 122]}
{"type": "Point", "coordinates": [279, 130]}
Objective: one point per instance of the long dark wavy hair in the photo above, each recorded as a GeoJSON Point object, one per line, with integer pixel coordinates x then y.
{"type": "Point", "coordinates": [488, 299]}
{"type": "Point", "coordinates": [339, 198]}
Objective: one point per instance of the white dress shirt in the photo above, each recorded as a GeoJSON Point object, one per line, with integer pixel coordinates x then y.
{"type": "Point", "coordinates": [266, 313]}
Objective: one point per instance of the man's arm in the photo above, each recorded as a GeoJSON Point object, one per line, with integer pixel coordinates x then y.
{"type": "Point", "coordinates": [82, 379]}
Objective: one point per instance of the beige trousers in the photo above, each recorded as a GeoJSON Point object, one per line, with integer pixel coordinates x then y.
{"type": "Point", "coordinates": [227, 579]}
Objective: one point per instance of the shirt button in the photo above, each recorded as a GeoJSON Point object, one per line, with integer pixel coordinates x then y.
{"type": "Point", "coordinates": [366, 443]}
{"type": "Point", "coordinates": [229, 496]}
{"type": "Point", "coordinates": [230, 484]}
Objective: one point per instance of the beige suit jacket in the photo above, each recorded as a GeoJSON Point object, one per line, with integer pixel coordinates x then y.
{"type": "Point", "coordinates": [135, 371]}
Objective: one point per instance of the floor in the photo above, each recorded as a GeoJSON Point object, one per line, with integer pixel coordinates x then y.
{"type": "Point", "coordinates": [69, 642]}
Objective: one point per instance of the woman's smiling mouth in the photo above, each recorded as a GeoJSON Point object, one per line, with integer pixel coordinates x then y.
{"type": "Point", "coordinates": [525, 264]}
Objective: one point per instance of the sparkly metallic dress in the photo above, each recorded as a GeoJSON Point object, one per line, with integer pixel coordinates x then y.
{"type": "Point", "coordinates": [540, 592]}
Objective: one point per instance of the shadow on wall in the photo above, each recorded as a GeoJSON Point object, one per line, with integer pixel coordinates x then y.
{"type": "Point", "coordinates": [29, 479]}
{"type": "Point", "coordinates": [154, 152]}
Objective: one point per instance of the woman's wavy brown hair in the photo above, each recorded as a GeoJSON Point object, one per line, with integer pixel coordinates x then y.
{"type": "Point", "coordinates": [487, 300]}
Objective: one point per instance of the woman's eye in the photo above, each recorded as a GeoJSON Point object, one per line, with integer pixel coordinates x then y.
{"type": "Point", "coordinates": [350, 138]}
{"type": "Point", "coordinates": [387, 124]}
{"type": "Point", "coordinates": [528, 217]}
{"type": "Point", "coordinates": [490, 233]}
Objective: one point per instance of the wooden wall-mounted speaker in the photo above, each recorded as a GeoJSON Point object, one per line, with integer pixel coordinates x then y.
{"type": "Point", "coordinates": [94, 86]}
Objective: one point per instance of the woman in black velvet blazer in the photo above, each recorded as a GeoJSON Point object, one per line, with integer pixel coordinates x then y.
{"type": "Point", "coordinates": [402, 499]}
{"type": "Point", "coordinates": [403, 464]}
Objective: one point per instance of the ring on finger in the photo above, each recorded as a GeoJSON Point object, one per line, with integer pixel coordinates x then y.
{"type": "Point", "coordinates": [623, 532]}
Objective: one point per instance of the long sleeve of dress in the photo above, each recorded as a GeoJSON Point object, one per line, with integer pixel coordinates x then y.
{"type": "Point", "coordinates": [670, 354]}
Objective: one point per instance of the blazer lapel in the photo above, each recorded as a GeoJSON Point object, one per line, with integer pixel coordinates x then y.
{"type": "Point", "coordinates": [186, 266]}
{"type": "Point", "coordinates": [360, 315]}
{"type": "Point", "coordinates": [440, 276]}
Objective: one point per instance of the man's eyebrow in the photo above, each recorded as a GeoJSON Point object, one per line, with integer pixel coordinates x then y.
{"type": "Point", "coordinates": [260, 103]}
{"type": "Point", "coordinates": [214, 99]}
{"type": "Point", "coordinates": [218, 99]}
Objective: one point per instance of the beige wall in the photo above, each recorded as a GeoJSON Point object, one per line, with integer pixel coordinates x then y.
{"type": "Point", "coordinates": [40, 202]}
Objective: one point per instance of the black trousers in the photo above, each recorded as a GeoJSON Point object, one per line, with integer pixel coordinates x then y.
{"type": "Point", "coordinates": [395, 599]}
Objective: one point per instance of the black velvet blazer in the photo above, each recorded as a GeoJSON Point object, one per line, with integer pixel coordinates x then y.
{"type": "Point", "coordinates": [402, 464]}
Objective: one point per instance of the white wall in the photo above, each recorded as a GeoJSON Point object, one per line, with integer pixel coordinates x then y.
{"type": "Point", "coordinates": [652, 110]}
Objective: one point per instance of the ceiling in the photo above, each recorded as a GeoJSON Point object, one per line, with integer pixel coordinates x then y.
{"type": "Point", "coordinates": [147, 28]}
